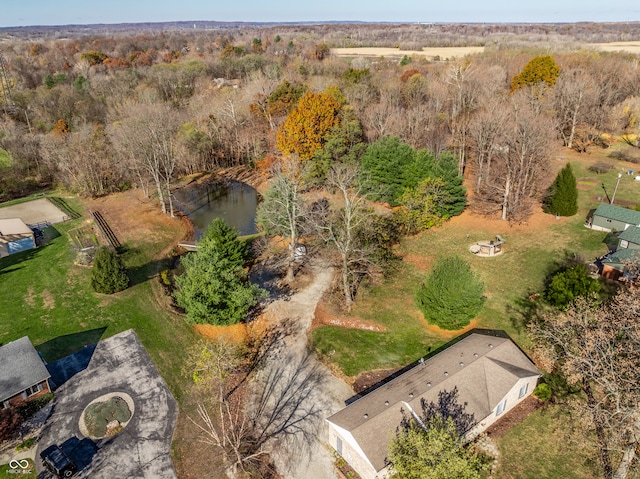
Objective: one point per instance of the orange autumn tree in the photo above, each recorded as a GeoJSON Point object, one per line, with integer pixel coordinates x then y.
{"type": "Point", "coordinates": [308, 125]}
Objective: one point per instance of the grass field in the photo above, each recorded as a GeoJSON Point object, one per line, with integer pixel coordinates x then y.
{"type": "Point", "coordinates": [29, 472]}
{"type": "Point", "coordinates": [524, 454]}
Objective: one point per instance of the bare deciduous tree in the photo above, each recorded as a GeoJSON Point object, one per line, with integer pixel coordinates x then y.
{"type": "Point", "coordinates": [598, 347]}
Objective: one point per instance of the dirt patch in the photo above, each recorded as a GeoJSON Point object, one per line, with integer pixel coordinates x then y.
{"type": "Point", "coordinates": [513, 417]}
{"type": "Point", "coordinates": [367, 379]}
{"type": "Point", "coordinates": [322, 317]}
{"type": "Point", "coordinates": [48, 301]}
{"type": "Point", "coordinates": [30, 298]}
{"type": "Point", "coordinates": [422, 263]}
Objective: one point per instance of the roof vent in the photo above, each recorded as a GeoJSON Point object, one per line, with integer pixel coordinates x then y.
{"type": "Point", "coordinates": [446, 373]}
{"type": "Point", "coordinates": [490, 345]}
{"type": "Point", "coordinates": [366, 416]}
{"type": "Point", "coordinates": [386, 403]}
{"type": "Point", "coordinates": [410, 395]}
{"type": "Point", "coordinates": [461, 363]}
{"type": "Point", "coordinates": [429, 384]}
{"type": "Point", "coordinates": [475, 355]}
{"type": "Point", "coordinates": [421, 360]}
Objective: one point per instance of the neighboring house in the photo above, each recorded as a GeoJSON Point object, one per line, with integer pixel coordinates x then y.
{"type": "Point", "coordinates": [614, 263]}
{"type": "Point", "coordinates": [490, 375]}
{"type": "Point", "coordinates": [23, 375]}
{"type": "Point", "coordinates": [608, 217]}
{"type": "Point", "coordinates": [15, 236]}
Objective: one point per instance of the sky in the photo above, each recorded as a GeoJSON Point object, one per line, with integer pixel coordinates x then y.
{"type": "Point", "coordinates": [65, 12]}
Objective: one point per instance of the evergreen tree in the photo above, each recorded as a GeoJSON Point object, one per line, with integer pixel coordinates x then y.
{"type": "Point", "coordinates": [451, 295]}
{"type": "Point", "coordinates": [567, 285]}
{"type": "Point", "coordinates": [108, 275]}
{"type": "Point", "coordinates": [562, 199]}
{"type": "Point", "coordinates": [214, 288]}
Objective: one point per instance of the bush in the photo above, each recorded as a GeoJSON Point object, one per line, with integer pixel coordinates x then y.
{"type": "Point", "coordinates": [565, 286]}
{"type": "Point", "coordinates": [108, 275]}
{"type": "Point", "coordinates": [452, 294]}
{"type": "Point", "coordinates": [600, 167]}
{"type": "Point", "coordinates": [542, 392]}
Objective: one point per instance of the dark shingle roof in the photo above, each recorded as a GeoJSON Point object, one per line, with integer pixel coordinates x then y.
{"type": "Point", "coordinates": [618, 258]}
{"type": "Point", "coordinates": [618, 213]}
{"type": "Point", "coordinates": [20, 368]}
{"type": "Point", "coordinates": [631, 234]}
{"type": "Point", "coordinates": [482, 368]}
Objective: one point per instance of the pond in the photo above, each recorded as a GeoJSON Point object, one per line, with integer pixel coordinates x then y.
{"type": "Point", "coordinates": [233, 201]}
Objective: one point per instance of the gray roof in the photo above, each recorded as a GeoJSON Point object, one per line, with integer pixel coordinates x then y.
{"type": "Point", "coordinates": [482, 368]}
{"type": "Point", "coordinates": [631, 234]}
{"type": "Point", "coordinates": [620, 257]}
{"type": "Point", "coordinates": [20, 368]}
{"type": "Point", "coordinates": [618, 213]}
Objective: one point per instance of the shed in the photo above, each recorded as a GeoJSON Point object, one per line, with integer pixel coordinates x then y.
{"type": "Point", "coordinates": [15, 236]}
{"type": "Point", "coordinates": [629, 238]}
{"type": "Point", "coordinates": [613, 264]}
{"type": "Point", "coordinates": [608, 217]}
{"type": "Point", "coordinates": [488, 374]}
{"type": "Point", "coordinates": [23, 375]}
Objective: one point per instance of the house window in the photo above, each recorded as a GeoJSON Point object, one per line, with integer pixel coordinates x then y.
{"type": "Point", "coordinates": [523, 390]}
{"type": "Point", "coordinates": [624, 244]}
{"type": "Point", "coordinates": [33, 390]}
{"type": "Point", "coordinates": [339, 446]}
{"type": "Point", "coordinates": [500, 408]}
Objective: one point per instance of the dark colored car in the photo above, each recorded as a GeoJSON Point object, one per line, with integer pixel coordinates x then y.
{"type": "Point", "coordinates": [57, 462]}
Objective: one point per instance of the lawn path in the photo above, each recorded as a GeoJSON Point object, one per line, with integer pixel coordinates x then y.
{"type": "Point", "coordinates": [303, 459]}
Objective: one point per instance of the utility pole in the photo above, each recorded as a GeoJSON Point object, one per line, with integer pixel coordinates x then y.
{"type": "Point", "coordinates": [613, 196]}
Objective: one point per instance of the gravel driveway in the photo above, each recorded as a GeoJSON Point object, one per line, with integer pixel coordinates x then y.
{"type": "Point", "coordinates": [305, 459]}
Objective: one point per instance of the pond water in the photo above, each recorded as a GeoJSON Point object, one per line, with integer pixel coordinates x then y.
{"type": "Point", "coordinates": [233, 201]}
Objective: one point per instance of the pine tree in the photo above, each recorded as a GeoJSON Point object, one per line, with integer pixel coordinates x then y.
{"type": "Point", "coordinates": [108, 275]}
{"type": "Point", "coordinates": [562, 199]}
{"type": "Point", "coordinates": [451, 295]}
{"type": "Point", "coordinates": [214, 288]}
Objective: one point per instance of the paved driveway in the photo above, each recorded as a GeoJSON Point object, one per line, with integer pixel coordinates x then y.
{"type": "Point", "coordinates": [142, 450]}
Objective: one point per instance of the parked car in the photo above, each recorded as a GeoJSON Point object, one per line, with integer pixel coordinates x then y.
{"type": "Point", "coordinates": [57, 462]}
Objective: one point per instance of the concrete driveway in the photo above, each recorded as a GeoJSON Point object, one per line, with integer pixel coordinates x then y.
{"type": "Point", "coordinates": [142, 449]}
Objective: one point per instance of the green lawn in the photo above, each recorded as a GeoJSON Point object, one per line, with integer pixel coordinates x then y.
{"type": "Point", "coordinates": [29, 472]}
{"type": "Point", "coordinates": [48, 298]}
{"type": "Point", "coordinates": [532, 449]}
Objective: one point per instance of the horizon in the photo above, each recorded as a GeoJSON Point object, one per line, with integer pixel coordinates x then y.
{"type": "Point", "coordinates": [38, 13]}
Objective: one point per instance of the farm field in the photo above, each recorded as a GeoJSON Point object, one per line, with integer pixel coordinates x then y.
{"type": "Point", "coordinates": [629, 47]}
{"type": "Point", "coordinates": [431, 52]}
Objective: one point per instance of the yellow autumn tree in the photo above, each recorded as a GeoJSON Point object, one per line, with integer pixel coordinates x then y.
{"type": "Point", "coordinates": [307, 126]}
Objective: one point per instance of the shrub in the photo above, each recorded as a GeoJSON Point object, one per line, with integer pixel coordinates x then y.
{"type": "Point", "coordinates": [108, 275]}
{"type": "Point", "coordinates": [565, 286]}
{"type": "Point", "coordinates": [600, 167]}
{"type": "Point", "coordinates": [542, 392]}
{"type": "Point", "coordinates": [451, 294]}
{"type": "Point", "coordinates": [26, 444]}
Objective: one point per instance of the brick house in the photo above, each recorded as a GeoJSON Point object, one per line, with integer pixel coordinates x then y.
{"type": "Point", "coordinates": [23, 375]}
{"type": "Point", "coordinates": [489, 374]}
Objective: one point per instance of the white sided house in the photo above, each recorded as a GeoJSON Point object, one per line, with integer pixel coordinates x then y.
{"type": "Point", "coordinates": [490, 375]}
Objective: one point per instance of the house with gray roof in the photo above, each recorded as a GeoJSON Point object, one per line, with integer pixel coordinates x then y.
{"type": "Point", "coordinates": [23, 375]}
{"type": "Point", "coordinates": [608, 217]}
{"type": "Point", "coordinates": [487, 375]}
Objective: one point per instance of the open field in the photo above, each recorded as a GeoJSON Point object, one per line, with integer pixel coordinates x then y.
{"type": "Point", "coordinates": [431, 52]}
{"type": "Point", "coordinates": [629, 47]}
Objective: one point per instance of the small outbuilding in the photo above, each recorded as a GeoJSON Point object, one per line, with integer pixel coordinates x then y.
{"type": "Point", "coordinates": [15, 236]}
{"type": "Point", "coordinates": [486, 375]}
{"type": "Point", "coordinates": [23, 375]}
{"type": "Point", "coordinates": [608, 217]}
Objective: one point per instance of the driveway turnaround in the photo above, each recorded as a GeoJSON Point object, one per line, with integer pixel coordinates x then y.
{"type": "Point", "coordinates": [142, 449]}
